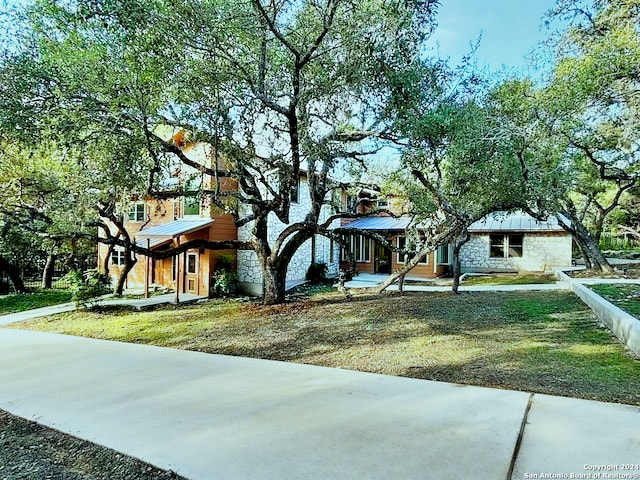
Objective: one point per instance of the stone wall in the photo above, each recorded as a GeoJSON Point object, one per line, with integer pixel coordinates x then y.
{"type": "Point", "coordinates": [541, 252]}
{"type": "Point", "coordinates": [249, 271]}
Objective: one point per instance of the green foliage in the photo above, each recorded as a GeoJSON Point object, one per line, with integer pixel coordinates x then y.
{"type": "Point", "coordinates": [317, 273]}
{"type": "Point", "coordinates": [226, 262]}
{"type": "Point", "coordinates": [611, 242]}
{"type": "Point", "coordinates": [30, 301]}
{"type": "Point", "coordinates": [85, 288]}
{"type": "Point", "coordinates": [225, 279]}
{"type": "Point", "coordinates": [225, 283]}
{"type": "Point", "coordinates": [626, 297]}
{"type": "Point", "coordinates": [307, 81]}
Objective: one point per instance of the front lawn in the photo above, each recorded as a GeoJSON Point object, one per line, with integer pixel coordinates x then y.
{"type": "Point", "coordinates": [28, 301]}
{"type": "Point", "coordinates": [625, 296]}
{"type": "Point", "coordinates": [546, 342]}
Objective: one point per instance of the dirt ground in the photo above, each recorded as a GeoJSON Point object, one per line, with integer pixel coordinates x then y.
{"type": "Point", "coordinates": [29, 451]}
{"type": "Point", "coordinates": [619, 271]}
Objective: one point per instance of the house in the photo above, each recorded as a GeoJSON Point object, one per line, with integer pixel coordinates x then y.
{"type": "Point", "coordinates": [516, 242]}
{"type": "Point", "coordinates": [373, 256]}
{"type": "Point", "coordinates": [500, 242]}
{"type": "Point", "coordinates": [164, 224]}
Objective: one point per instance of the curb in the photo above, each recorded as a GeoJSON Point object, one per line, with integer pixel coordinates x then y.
{"type": "Point", "coordinates": [623, 325]}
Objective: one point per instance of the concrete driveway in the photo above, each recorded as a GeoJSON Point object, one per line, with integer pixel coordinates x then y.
{"type": "Point", "coordinates": [218, 417]}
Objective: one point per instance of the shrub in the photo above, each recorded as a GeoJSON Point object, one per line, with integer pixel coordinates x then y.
{"type": "Point", "coordinates": [226, 262]}
{"type": "Point", "coordinates": [85, 288]}
{"type": "Point", "coordinates": [225, 280]}
{"type": "Point", "coordinates": [317, 272]}
{"type": "Point", "coordinates": [224, 283]}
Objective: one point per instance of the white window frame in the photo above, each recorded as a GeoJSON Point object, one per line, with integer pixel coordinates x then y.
{"type": "Point", "coordinates": [360, 246]}
{"type": "Point", "coordinates": [507, 245]}
{"type": "Point", "coordinates": [363, 245]}
{"type": "Point", "coordinates": [351, 203]}
{"type": "Point", "coordinates": [448, 248]}
{"type": "Point", "coordinates": [195, 263]}
{"type": "Point", "coordinates": [135, 215]}
{"type": "Point", "coordinates": [400, 255]}
{"type": "Point", "coordinates": [118, 258]}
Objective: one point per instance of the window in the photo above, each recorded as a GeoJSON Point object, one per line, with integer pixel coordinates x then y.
{"type": "Point", "coordinates": [515, 245]}
{"type": "Point", "coordinates": [360, 247]}
{"type": "Point", "coordinates": [192, 206]}
{"type": "Point", "coordinates": [497, 246]}
{"type": "Point", "coordinates": [443, 255]}
{"type": "Point", "coordinates": [137, 212]}
{"type": "Point", "coordinates": [294, 195]}
{"type": "Point", "coordinates": [505, 246]}
{"type": "Point", "coordinates": [402, 244]}
{"type": "Point", "coordinates": [118, 258]}
{"type": "Point", "coordinates": [352, 203]}
{"type": "Point", "coordinates": [174, 268]}
{"type": "Point", "coordinates": [191, 262]}
{"type": "Point", "coordinates": [383, 203]}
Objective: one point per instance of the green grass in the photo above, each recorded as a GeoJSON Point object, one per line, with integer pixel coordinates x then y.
{"type": "Point", "coordinates": [509, 279]}
{"type": "Point", "coordinates": [625, 296]}
{"type": "Point", "coordinates": [28, 301]}
{"type": "Point", "coordinates": [547, 342]}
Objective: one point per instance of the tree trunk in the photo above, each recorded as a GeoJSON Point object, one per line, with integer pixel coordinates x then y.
{"type": "Point", "coordinates": [107, 260]}
{"type": "Point", "coordinates": [585, 258]}
{"type": "Point", "coordinates": [598, 227]}
{"type": "Point", "coordinates": [274, 284]}
{"type": "Point", "coordinates": [129, 263]}
{"type": "Point", "coordinates": [455, 260]}
{"type": "Point", "coordinates": [47, 273]}
{"type": "Point", "coordinates": [14, 275]}
{"type": "Point", "coordinates": [585, 241]}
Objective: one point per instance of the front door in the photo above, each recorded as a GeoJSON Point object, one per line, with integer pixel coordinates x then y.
{"type": "Point", "coordinates": [382, 260]}
{"type": "Point", "coordinates": [191, 273]}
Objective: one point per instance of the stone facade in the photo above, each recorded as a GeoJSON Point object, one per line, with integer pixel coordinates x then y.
{"type": "Point", "coordinates": [540, 252]}
{"type": "Point", "coordinates": [249, 270]}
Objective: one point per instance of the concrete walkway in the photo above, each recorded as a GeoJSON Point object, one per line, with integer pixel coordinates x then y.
{"type": "Point", "coordinates": [371, 280]}
{"type": "Point", "coordinates": [217, 417]}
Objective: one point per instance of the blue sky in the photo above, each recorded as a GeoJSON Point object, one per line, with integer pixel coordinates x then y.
{"type": "Point", "coordinates": [510, 30]}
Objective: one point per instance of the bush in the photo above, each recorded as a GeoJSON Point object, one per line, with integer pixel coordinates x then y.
{"type": "Point", "coordinates": [85, 288]}
{"type": "Point", "coordinates": [317, 272]}
{"type": "Point", "coordinates": [226, 262]}
{"type": "Point", "coordinates": [224, 283]}
{"type": "Point", "coordinates": [225, 280]}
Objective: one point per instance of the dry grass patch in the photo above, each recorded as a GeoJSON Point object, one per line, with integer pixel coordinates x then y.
{"type": "Point", "coordinates": [547, 342]}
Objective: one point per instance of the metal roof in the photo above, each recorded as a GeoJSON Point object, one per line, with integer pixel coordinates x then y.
{"type": "Point", "coordinates": [175, 228]}
{"type": "Point", "coordinates": [153, 242]}
{"type": "Point", "coordinates": [379, 223]}
{"type": "Point", "coordinates": [514, 222]}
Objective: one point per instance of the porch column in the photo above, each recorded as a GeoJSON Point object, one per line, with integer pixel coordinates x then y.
{"type": "Point", "coordinates": [177, 257]}
{"type": "Point", "coordinates": [146, 271]}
